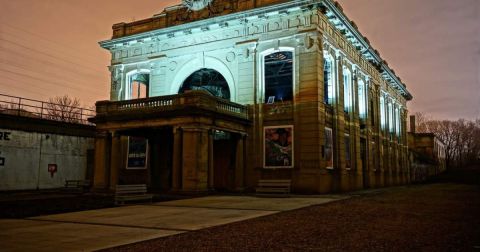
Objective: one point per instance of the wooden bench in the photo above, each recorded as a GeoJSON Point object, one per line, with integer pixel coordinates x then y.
{"type": "Point", "coordinates": [125, 193]}
{"type": "Point", "coordinates": [274, 187]}
{"type": "Point", "coordinates": [75, 185]}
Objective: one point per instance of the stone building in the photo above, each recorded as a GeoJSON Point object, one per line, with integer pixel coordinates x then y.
{"type": "Point", "coordinates": [216, 94]}
{"type": "Point", "coordinates": [427, 154]}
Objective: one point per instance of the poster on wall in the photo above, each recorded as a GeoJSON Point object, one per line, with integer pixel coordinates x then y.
{"type": "Point", "coordinates": [137, 153]}
{"type": "Point", "coordinates": [278, 147]}
{"type": "Point", "coordinates": [329, 148]}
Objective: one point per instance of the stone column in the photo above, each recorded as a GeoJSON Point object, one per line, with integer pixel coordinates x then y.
{"type": "Point", "coordinates": [177, 159]}
{"type": "Point", "coordinates": [115, 159]}
{"type": "Point", "coordinates": [102, 154]}
{"type": "Point", "coordinates": [195, 159]}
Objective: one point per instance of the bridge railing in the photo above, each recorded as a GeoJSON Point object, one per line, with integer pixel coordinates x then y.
{"type": "Point", "coordinates": [24, 107]}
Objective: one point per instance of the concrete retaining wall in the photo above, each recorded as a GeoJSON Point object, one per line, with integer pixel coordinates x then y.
{"type": "Point", "coordinates": [25, 158]}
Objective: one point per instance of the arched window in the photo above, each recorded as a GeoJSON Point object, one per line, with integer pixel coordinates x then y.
{"type": "Point", "coordinates": [138, 83]}
{"type": "Point", "coordinates": [278, 77]}
{"type": "Point", "coordinates": [328, 79]}
{"type": "Point", "coordinates": [208, 80]}
{"type": "Point", "coordinates": [347, 91]}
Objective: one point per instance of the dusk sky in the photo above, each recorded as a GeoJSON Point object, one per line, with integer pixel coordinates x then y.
{"type": "Point", "coordinates": [50, 47]}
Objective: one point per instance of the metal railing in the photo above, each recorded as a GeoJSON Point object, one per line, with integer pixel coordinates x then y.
{"type": "Point", "coordinates": [197, 98]}
{"type": "Point", "coordinates": [19, 106]}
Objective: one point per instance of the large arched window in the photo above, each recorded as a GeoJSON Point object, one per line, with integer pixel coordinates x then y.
{"type": "Point", "coordinates": [278, 76]}
{"type": "Point", "coordinates": [138, 83]}
{"type": "Point", "coordinates": [208, 80]}
{"type": "Point", "coordinates": [328, 79]}
{"type": "Point", "coordinates": [347, 90]}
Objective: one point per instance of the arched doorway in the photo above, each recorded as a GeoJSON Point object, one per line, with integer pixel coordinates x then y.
{"type": "Point", "coordinates": [208, 80]}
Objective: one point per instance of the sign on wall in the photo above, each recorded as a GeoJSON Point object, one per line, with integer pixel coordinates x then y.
{"type": "Point", "coordinates": [52, 169]}
{"type": "Point", "coordinates": [278, 147]}
{"type": "Point", "coordinates": [137, 153]}
{"type": "Point", "coordinates": [2, 160]}
{"type": "Point", "coordinates": [4, 136]}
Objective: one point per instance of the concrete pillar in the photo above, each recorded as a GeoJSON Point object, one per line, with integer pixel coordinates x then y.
{"type": "Point", "coordinates": [115, 159]}
{"type": "Point", "coordinates": [177, 159]}
{"type": "Point", "coordinates": [102, 153]}
{"type": "Point", "coordinates": [195, 159]}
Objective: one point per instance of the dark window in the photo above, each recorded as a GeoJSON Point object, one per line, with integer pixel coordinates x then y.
{"type": "Point", "coordinates": [208, 80]}
{"type": "Point", "coordinates": [278, 77]}
{"type": "Point", "coordinates": [372, 113]}
{"type": "Point", "coordinates": [348, 162]}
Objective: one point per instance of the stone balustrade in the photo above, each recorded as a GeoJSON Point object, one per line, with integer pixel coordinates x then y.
{"type": "Point", "coordinates": [191, 99]}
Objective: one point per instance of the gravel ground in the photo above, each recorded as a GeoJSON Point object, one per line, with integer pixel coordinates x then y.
{"type": "Point", "coordinates": [434, 217]}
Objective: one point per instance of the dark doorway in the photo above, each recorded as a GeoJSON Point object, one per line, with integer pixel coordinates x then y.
{"type": "Point", "coordinates": [364, 160]}
{"type": "Point", "coordinates": [161, 151]}
{"type": "Point", "coordinates": [224, 158]}
{"type": "Point", "coordinates": [208, 80]}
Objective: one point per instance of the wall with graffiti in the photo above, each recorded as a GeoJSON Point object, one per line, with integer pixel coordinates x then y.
{"type": "Point", "coordinates": [30, 160]}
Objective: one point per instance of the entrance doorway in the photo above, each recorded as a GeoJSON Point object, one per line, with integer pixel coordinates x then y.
{"type": "Point", "coordinates": [161, 158]}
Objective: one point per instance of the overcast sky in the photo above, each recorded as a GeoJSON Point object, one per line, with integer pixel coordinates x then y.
{"type": "Point", "coordinates": [50, 47]}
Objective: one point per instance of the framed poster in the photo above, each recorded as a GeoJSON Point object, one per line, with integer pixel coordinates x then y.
{"type": "Point", "coordinates": [278, 147]}
{"type": "Point", "coordinates": [137, 153]}
{"type": "Point", "coordinates": [329, 148]}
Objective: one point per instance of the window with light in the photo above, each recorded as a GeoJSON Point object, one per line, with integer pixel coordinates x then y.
{"type": "Point", "coordinates": [328, 79]}
{"type": "Point", "coordinates": [362, 99]}
{"type": "Point", "coordinates": [347, 93]}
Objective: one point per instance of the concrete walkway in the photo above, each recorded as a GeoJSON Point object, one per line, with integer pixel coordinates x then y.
{"type": "Point", "coordinates": [104, 228]}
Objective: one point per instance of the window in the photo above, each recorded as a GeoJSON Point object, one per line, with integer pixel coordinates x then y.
{"type": "Point", "coordinates": [362, 99]}
{"type": "Point", "coordinates": [397, 121]}
{"type": "Point", "coordinates": [372, 113]}
{"type": "Point", "coordinates": [138, 85]}
{"type": "Point", "coordinates": [328, 79]}
{"type": "Point", "coordinates": [278, 76]}
{"type": "Point", "coordinates": [373, 150]}
{"type": "Point", "coordinates": [208, 80]}
{"type": "Point", "coordinates": [347, 93]}
{"type": "Point", "coordinates": [390, 117]}
{"type": "Point", "coordinates": [329, 148]}
{"type": "Point", "coordinates": [382, 112]}
{"type": "Point", "coordinates": [348, 162]}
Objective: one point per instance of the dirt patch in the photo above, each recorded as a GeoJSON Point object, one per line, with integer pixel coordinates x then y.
{"type": "Point", "coordinates": [437, 217]}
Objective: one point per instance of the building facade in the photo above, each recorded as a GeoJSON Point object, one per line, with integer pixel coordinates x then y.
{"type": "Point", "coordinates": [217, 94]}
{"type": "Point", "coordinates": [427, 154]}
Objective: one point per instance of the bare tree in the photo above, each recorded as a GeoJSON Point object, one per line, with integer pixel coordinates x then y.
{"type": "Point", "coordinates": [461, 138]}
{"type": "Point", "coordinates": [64, 108]}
